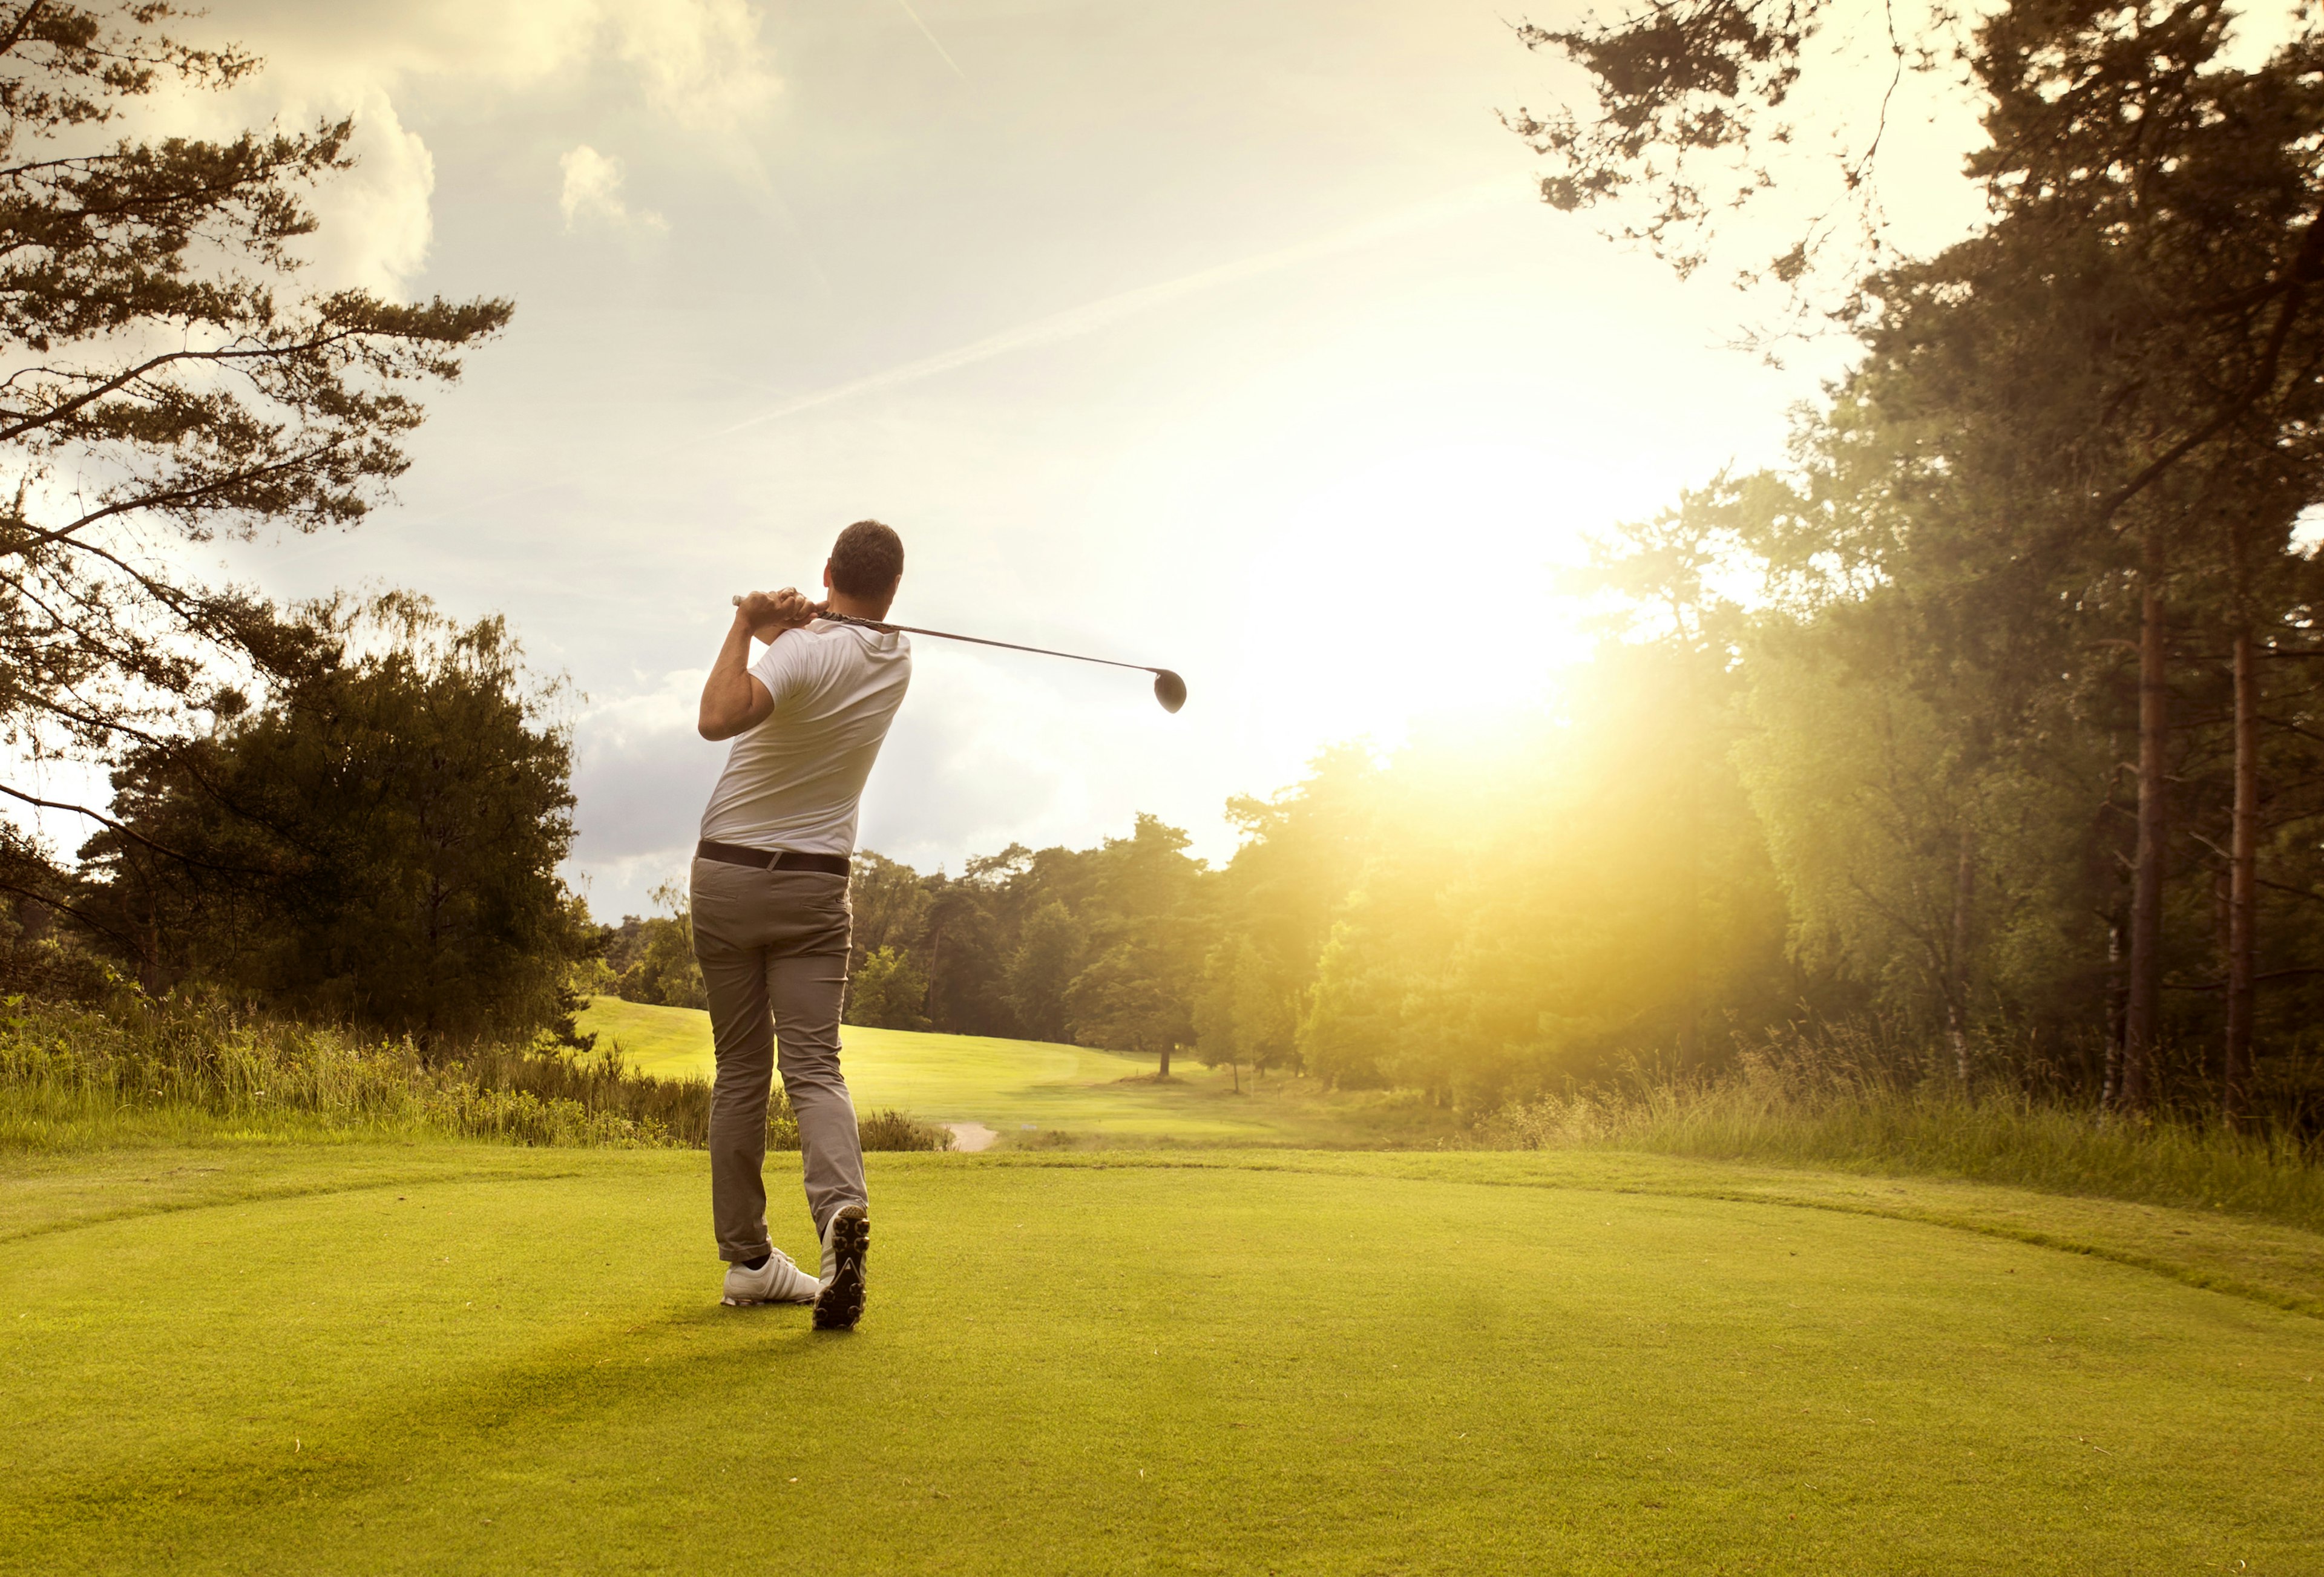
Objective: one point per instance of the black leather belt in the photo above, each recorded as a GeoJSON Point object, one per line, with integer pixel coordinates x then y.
{"type": "Point", "coordinates": [771, 859]}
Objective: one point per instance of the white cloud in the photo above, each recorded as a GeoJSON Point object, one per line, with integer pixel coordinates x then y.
{"type": "Point", "coordinates": [377, 221]}
{"type": "Point", "coordinates": [694, 60]}
{"type": "Point", "coordinates": [701, 61]}
{"type": "Point", "coordinates": [592, 191]}
{"type": "Point", "coordinates": [699, 66]}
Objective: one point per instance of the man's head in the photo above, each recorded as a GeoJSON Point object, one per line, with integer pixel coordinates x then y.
{"type": "Point", "coordinates": [866, 563]}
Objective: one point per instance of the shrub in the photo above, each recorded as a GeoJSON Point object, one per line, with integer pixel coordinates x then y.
{"type": "Point", "coordinates": [54, 967]}
{"type": "Point", "coordinates": [893, 1131]}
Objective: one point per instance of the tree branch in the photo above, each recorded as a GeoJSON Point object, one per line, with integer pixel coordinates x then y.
{"type": "Point", "coordinates": [129, 832]}
{"type": "Point", "coordinates": [2304, 270]}
{"type": "Point", "coordinates": [158, 500]}
{"type": "Point", "coordinates": [91, 921]}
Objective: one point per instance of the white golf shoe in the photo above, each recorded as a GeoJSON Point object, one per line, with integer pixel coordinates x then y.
{"type": "Point", "coordinates": [777, 1281]}
{"type": "Point", "coordinates": [846, 1242]}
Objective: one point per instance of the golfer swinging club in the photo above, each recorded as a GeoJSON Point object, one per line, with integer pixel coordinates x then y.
{"type": "Point", "coordinates": [770, 906]}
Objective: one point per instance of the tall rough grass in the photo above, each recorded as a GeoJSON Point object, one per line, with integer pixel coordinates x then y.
{"type": "Point", "coordinates": [1839, 1100]}
{"type": "Point", "coordinates": [73, 1076]}
{"type": "Point", "coordinates": [69, 1072]}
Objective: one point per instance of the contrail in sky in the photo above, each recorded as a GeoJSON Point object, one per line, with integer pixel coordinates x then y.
{"type": "Point", "coordinates": [1100, 314]}
{"type": "Point", "coordinates": [1084, 319]}
{"type": "Point", "coordinates": [923, 26]}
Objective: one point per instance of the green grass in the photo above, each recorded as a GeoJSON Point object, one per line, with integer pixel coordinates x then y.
{"type": "Point", "coordinates": [1033, 1087]}
{"type": "Point", "coordinates": [668, 1043]}
{"type": "Point", "coordinates": [1932, 1129]}
{"type": "Point", "coordinates": [457, 1358]}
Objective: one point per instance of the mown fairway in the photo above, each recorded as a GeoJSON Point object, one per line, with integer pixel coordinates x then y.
{"type": "Point", "coordinates": [365, 1358]}
{"type": "Point", "coordinates": [1010, 1086]}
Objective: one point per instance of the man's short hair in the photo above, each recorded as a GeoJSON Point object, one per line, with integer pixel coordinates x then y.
{"type": "Point", "coordinates": [867, 561]}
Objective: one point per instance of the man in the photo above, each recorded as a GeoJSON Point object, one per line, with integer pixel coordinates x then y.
{"type": "Point", "coordinates": [770, 906]}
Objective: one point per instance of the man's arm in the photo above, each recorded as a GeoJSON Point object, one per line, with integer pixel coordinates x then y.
{"type": "Point", "coordinates": [732, 701]}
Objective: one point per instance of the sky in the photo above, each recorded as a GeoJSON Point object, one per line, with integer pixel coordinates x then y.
{"type": "Point", "coordinates": [1220, 336]}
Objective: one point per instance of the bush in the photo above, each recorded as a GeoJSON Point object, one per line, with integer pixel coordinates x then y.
{"type": "Point", "coordinates": [55, 968]}
{"type": "Point", "coordinates": [677, 1111]}
{"type": "Point", "coordinates": [892, 1130]}
{"type": "Point", "coordinates": [782, 1122]}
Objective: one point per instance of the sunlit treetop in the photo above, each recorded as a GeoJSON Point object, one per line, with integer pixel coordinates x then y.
{"type": "Point", "coordinates": [1688, 105]}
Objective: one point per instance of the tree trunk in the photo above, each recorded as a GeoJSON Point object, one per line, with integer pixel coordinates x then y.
{"type": "Point", "coordinates": [1957, 988]}
{"type": "Point", "coordinates": [2243, 908]}
{"type": "Point", "coordinates": [1690, 877]}
{"type": "Point", "coordinates": [1166, 1064]}
{"type": "Point", "coordinates": [2117, 991]}
{"type": "Point", "coordinates": [149, 947]}
{"type": "Point", "coordinates": [2142, 1010]}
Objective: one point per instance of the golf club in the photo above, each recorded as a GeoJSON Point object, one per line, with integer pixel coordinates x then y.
{"type": "Point", "coordinates": [1168, 688]}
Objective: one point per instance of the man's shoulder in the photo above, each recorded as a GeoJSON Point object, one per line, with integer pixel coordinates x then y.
{"type": "Point", "coordinates": [824, 652]}
{"type": "Point", "coordinates": [888, 644]}
{"type": "Point", "coordinates": [817, 635]}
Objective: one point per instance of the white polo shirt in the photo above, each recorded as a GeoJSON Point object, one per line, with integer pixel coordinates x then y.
{"type": "Point", "coordinates": [796, 780]}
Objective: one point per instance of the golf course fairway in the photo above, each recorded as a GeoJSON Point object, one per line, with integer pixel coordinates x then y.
{"type": "Point", "coordinates": [1010, 1086]}
{"type": "Point", "coordinates": [364, 1358]}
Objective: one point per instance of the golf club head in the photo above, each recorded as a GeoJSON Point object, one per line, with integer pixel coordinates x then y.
{"type": "Point", "coordinates": [1169, 689]}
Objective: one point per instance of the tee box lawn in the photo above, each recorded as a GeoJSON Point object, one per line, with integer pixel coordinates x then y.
{"type": "Point", "coordinates": [368, 1357]}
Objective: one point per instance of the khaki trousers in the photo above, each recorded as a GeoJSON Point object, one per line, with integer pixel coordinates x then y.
{"type": "Point", "coordinates": [773, 949]}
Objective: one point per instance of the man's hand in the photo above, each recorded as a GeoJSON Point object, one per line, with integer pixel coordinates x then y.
{"type": "Point", "coordinates": [732, 701]}
{"type": "Point", "coordinates": [767, 617]}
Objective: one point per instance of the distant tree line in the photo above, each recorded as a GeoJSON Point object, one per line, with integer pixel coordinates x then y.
{"type": "Point", "coordinates": [1106, 946]}
{"type": "Point", "coordinates": [650, 958]}
{"type": "Point", "coordinates": [1101, 946]}
{"type": "Point", "coordinates": [1479, 919]}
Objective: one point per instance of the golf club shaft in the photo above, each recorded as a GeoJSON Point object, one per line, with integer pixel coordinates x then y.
{"type": "Point", "coordinates": [977, 640]}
